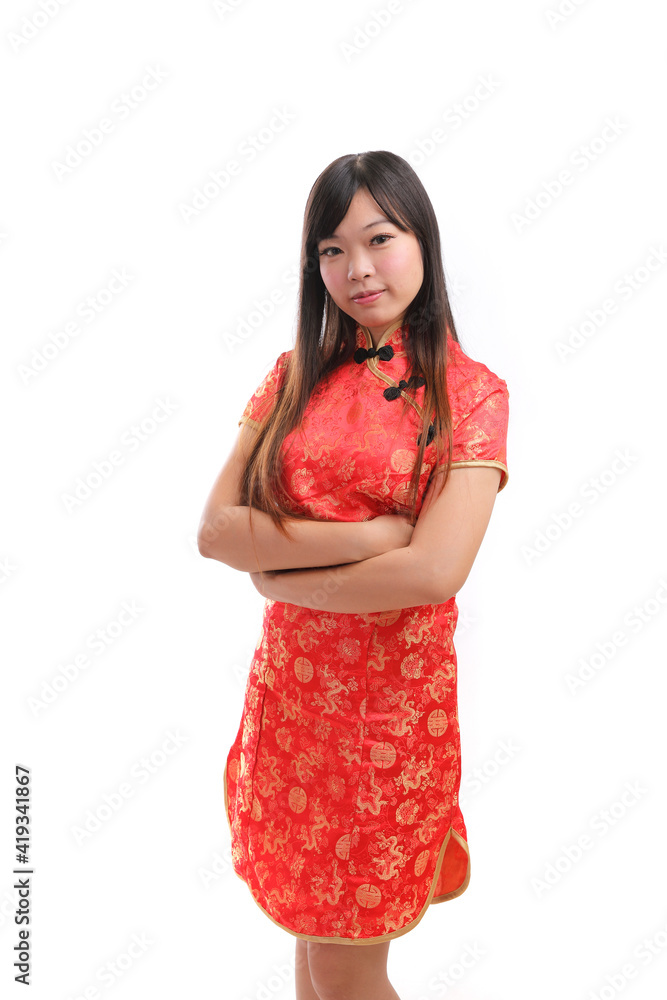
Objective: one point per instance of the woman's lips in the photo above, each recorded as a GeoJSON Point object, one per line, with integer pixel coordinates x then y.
{"type": "Point", "coordinates": [363, 300]}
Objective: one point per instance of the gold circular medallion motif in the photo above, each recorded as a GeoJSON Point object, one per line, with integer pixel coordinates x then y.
{"type": "Point", "coordinates": [437, 722]}
{"type": "Point", "coordinates": [421, 861]}
{"type": "Point", "coordinates": [303, 669]}
{"type": "Point", "coordinates": [388, 617]}
{"type": "Point", "coordinates": [343, 847]}
{"type": "Point", "coordinates": [368, 895]}
{"type": "Point", "coordinates": [297, 799]}
{"type": "Point", "coordinates": [402, 460]}
{"type": "Point", "coordinates": [383, 754]}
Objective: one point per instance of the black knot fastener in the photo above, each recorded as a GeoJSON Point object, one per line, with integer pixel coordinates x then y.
{"type": "Point", "coordinates": [394, 391]}
{"type": "Point", "coordinates": [385, 353]}
{"type": "Point", "coordinates": [429, 437]}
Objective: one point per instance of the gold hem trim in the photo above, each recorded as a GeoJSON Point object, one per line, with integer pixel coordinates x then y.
{"type": "Point", "coordinates": [464, 885]}
{"type": "Point", "coordinates": [381, 937]}
{"type": "Point", "coordinates": [486, 461]}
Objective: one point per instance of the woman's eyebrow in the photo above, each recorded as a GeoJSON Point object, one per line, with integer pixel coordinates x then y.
{"type": "Point", "coordinates": [378, 222]}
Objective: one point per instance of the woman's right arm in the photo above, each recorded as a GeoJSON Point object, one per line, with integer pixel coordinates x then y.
{"type": "Point", "coordinates": [224, 529]}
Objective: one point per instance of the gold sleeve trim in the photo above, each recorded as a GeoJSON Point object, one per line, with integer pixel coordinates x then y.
{"type": "Point", "coordinates": [486, 461]}
{"type": "Point", "coordinates": [381, 937]}
{"type": "Point", "coordinates": [249, 420]}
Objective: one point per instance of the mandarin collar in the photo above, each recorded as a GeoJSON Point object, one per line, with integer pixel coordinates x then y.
{"type": "Point", "coordinates": [393, 336]}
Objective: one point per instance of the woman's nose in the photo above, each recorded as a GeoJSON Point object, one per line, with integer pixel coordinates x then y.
{"type": "Point", "coordinates": [360, 266]}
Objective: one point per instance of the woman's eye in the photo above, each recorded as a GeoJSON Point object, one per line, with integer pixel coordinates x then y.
{"type": "Point", "coordinates": [334, 251]}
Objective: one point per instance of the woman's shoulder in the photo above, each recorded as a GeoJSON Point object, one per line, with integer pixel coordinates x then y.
{"type": "Point", "coordinates": [277, 370]}
{"type": "Point", "coordinates": [469, 381]}
{"type": "Point", "coordinates": [467, 375]}
{"type": "Point", "coordinates": [282, 359]}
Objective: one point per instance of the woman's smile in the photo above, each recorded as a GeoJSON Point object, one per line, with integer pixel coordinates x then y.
{"type": "Point", "coordinates": [365, 298]}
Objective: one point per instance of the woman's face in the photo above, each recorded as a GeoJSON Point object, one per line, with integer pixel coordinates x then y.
{"type": "Point", "coordinates": [369, 254]}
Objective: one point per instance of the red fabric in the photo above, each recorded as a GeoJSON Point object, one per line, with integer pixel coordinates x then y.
{"type": "Point", "coordinates": [341, 787]}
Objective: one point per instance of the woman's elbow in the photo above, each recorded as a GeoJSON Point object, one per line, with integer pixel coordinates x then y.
{"type": "Point", "coordinates": [211, 538]}
{"type": "Point", "coordinates": [206, 538]}
{"type": "Point", "coordinates": [205, 548]}
{"type": "Point", "coordinates": [213, 550]}
{"type": "Point", "coordinates": [203, 539]}
{"type": "Point", "coordinates": [445, 583]}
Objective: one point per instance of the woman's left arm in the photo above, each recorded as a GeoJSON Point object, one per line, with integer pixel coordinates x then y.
{"type": "Point", "coordinates": [430, 570]}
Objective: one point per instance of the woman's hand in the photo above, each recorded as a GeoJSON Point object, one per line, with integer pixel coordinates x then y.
{"type": "Point", "coordinates": [383, 533]}
{"type": "Point", "coordinates": [265, 583]}
{"type": "Point", "coordinates": [389, 531]}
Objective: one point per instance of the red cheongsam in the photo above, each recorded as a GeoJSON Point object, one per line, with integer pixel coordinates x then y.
{"type": "Point", "coordinates": [341, 787]}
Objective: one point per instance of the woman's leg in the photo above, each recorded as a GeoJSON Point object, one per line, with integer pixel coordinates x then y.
{"type": "Point", "coordinates": [304, 986]}
{"type": "Point", "coordinates": [350, 972]}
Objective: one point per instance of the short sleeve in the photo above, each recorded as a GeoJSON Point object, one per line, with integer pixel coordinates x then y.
{"type": "Point", "coordinates": [480, 435]}
{"type": "Point", "coordinates": [261, 402]}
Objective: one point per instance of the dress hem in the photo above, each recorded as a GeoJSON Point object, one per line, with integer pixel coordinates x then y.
{"type": "Point", "coordinates": [378, 939]}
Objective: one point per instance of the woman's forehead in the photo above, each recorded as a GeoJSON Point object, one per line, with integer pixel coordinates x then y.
{"type": "Point", "coordinates": [361, 216]}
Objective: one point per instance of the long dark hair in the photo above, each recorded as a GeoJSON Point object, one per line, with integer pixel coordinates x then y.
{"type": "Point", "coordinates": [326, 336]}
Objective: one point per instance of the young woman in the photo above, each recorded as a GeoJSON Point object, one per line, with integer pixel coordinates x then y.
{"type": "Point", "coordinates": [357, 497]}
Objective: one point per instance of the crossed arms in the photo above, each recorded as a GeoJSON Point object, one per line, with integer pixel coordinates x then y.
{"type": "Point", "coordinates": [357, 566]}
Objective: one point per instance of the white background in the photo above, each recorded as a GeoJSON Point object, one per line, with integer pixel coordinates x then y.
{"type": "Point", "coordinates": [541, 596]}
